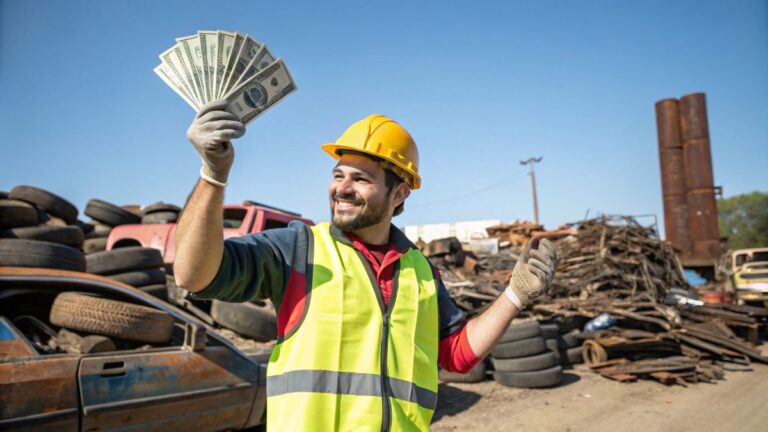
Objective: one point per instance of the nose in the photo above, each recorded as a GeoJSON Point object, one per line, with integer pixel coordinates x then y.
{"type": "Point", "coordinates": [344, 186]}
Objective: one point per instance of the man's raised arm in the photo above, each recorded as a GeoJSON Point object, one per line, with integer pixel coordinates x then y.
{"type": "Point", "coordinates": [199, 234]}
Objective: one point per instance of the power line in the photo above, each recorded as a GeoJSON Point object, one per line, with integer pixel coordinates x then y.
{"type": "Point", "coordinates": [502, 182]}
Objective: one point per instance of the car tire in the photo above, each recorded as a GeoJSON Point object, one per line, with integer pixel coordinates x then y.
{"type": "Point", "coordinates": [476, 374]}
{"type": "Point", "coordinates": [160, 217]}
{"type": "Point", "coordinates": [541, 361]}
{"type": "Point", "coordinates": [122, 320]}
{"type": "Point", "coordinates": [69, 235]}
{"type": "Point", "coordinates": [99, 231]}
{"type": "Point", "coordinates": [570, 339]}
{"type": "Point", "coordinates": [519, 348]}
{"type": "Point", "coordinates": [140, 278]}
{"type": "Point", "coordinates": [549, 377]}
{"type": "Point", "coordinates": [571, 356]}
{"type": "Point", "coordinates": [14, 213]}
{"type": "Point", "coordinates": [34, 253]}
{"type": "Point", "coordinates": [94, 245]}
{"type": "Point", "coordinates": [48, 201]}
{"type": "Point", "coordinates": [257, 320]}
{"type": "Point", "coordinates": [549, 330]}
{"type": "Point", "coordinates": [520, 331]}
{"type": "Point", "coordinates": [553, 347]}
{"type": "Point", "coordinates": [123, 260]}
{"type": "Point", "coordinates": [110, 214]}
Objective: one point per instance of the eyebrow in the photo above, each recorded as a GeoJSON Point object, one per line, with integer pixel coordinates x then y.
{"type": "Point", "coordinates": [357, 171]}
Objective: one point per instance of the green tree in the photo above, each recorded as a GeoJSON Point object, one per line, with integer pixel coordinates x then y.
{"type": "Point", "coordinates": [744, 220]}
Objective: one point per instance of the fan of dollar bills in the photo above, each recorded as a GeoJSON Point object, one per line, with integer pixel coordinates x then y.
{"type": "Point", "coordinates": [213, 65]}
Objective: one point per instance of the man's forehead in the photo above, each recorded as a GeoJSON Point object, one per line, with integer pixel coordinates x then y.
{"type": "Point", "coordinates": [359, 163]}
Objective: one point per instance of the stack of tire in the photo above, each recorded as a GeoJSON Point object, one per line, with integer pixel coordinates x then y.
{"type": "Point", "coordinates": [137, 266]}
{"type": "Point", "coordinates": [568, 348]}
{"type": "Point", "coordinates": [40, 229]}
{"type": "Point", "coordinates": [105, 217]}
{"type": "Point", "coordinates": [160, 213]}
{"type": "Point", "coordinates": [521, 357]}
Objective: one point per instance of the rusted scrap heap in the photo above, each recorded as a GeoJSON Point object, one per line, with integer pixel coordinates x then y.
{"type": "Point", "coordinates": [617, 256]}
{"type": "Point", "coordinates": [616, 266]}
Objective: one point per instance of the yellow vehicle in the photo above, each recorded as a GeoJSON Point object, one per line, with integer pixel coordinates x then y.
{"type": "Point", "coordinates": [747, 275]}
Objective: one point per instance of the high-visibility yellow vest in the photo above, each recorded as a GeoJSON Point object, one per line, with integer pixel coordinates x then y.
{"type": "Point", "coordinates": [354, 364]}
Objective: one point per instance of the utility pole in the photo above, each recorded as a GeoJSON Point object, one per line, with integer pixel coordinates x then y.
{"type": "Point", "coordinates": [532, 173]}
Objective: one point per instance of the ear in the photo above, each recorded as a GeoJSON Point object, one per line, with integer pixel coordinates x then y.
{"type": "Point", "coordinates": [402, 191]}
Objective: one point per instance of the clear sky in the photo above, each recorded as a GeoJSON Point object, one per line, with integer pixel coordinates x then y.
{"type": "Point", "coordinates": [480, 85]}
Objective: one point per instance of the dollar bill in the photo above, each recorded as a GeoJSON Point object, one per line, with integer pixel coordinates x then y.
{"type": "Point", "coordinates": [224, 42]}
{"type": "Point", "coordinates": [260, 92]}
{"type": "Point", "coordinates": [208, 50]}
{"type": "Point", "coordinates": [174, 60]}
{"type": "Point", "coordinates": [261, 60]}
{"type": "Point", "coordinates": [235, 50]}
{"type": "Point", "coordinates": [168, 78]}
{"type": "Point", "coordinates": [248, 51]}
{"type": "Point", "coordinates": [190, 45]}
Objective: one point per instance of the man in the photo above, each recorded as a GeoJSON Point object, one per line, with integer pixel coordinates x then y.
{"type": "Point", "coordinates": [363, 318]}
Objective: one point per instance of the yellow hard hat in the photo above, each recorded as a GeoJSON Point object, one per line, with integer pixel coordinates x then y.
{"type": "Point", "coordinates": [380, 136]}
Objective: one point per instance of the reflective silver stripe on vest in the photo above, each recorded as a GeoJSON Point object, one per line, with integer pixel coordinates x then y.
{"type": "Point", "coordinates": [351, 383]}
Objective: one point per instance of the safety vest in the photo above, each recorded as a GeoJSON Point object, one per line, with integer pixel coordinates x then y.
{"type": "Point", "coordinates": [354, 364]}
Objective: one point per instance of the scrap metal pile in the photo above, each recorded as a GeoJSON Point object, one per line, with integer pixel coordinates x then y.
{"type": "Point", "coordinates": [617, 266]}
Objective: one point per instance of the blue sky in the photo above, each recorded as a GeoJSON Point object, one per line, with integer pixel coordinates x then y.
{"type": "Point", "coordinates": [480, 85]}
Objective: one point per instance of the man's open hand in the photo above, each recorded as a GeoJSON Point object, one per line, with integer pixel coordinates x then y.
{"type": "Point", "coordinates": [533, 272]}
{"type": "Point", "coordinates": [210, 133]}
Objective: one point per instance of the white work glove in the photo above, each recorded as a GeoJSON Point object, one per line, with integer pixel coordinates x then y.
{"type": "Point", "coordinates": [533, 272]}
{"type": "Point", "coordinates": [210, 133]}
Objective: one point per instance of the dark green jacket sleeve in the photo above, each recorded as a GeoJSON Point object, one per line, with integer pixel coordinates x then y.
{"type": "Point", "coordinates": [256, 266]}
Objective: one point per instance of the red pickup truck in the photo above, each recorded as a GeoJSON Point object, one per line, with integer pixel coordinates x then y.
{"type": "Point", "coordinates": [239, 220]}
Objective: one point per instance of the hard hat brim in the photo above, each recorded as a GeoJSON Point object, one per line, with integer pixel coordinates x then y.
{"type": "Point", "coordinates": [333, 150]}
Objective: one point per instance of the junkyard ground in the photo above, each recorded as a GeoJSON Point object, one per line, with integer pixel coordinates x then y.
{"type": "Point", "coordinates": [589, 402]}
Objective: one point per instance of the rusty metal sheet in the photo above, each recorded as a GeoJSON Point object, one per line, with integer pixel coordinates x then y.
{"type": "Point", "coordinates": [210, 390]}
{"type": "Point", "coordinates": [39, 393]}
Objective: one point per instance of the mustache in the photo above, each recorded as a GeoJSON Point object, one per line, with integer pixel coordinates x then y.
{"type": "Point", "coordinates": [348, 197]}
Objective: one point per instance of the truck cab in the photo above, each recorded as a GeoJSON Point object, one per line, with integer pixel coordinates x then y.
{"type": "Point", "coordinates": [239, 220]}
{"type": "Point", "coordinates": [746, 272]}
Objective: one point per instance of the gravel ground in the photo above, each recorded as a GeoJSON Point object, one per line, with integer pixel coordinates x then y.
{"type": "Point", "coordinates": [587, 402]}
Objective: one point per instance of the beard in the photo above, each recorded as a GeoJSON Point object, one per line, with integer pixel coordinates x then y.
{"type": "Point", "coordinates": [371, 213]}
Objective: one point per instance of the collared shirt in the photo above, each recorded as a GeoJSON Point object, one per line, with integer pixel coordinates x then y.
{"type": "Point", "coordinates": [273, 264]}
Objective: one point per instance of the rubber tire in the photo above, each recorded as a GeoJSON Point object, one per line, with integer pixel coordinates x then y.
{"type": "Point", "coordinates": [549, 330]}
{"type": "Point", "coordinates": [34, 253]}
{"type": "Point", "coordinates": [14, 213]}
{"type": "Point", "coordinates": [123, 320]}
{"type": "Point", "coordinates": [160, 207]}
{"type": "Point", "coordinates": [475, 375]}
{"type": "Point", "coordinates": [520, 348]}
{"type": "Point", "coordinates": [520, 331]}
{"type": "Point", "coordinates": [533, 379]}
{"type": "Point", "coordinates": [257, 320]}
{"type": "Point", "coordinates": [541, 361]}
{"type": "Point", "coordinates": [158, 290]}
{"type": "Point", "coordinates": [69, 235]}
{"type": "Point", "coordinates": [571, 340]}
{"type": "Point", "coordinates": [3, 195]}
{"type": "Point", "coordinates": [161, 217]}
{"type": "Point", "coordinates": [571, 356]}
{"type": "Point", "coordinates": [140, 278]}
{"type": "Point", "coordinates": [552, 346]}
{"type": "Point", "coordinates": [99, 231]}
{"type": "Point", "coordinates": [123, 260]}
{"type": "Point", "coordinates": [110, 214]}
{"type": "Point", "coordinates": [47, 201]}
{"type": "Point", "coordinates": [94, 245]}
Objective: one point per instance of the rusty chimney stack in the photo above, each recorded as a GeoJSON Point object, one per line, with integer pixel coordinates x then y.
{"type": "Point", "coordinates": [690, 209]}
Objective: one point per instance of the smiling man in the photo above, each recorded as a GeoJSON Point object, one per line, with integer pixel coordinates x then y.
{"type": "Point", "coordinates": [363, 318]}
